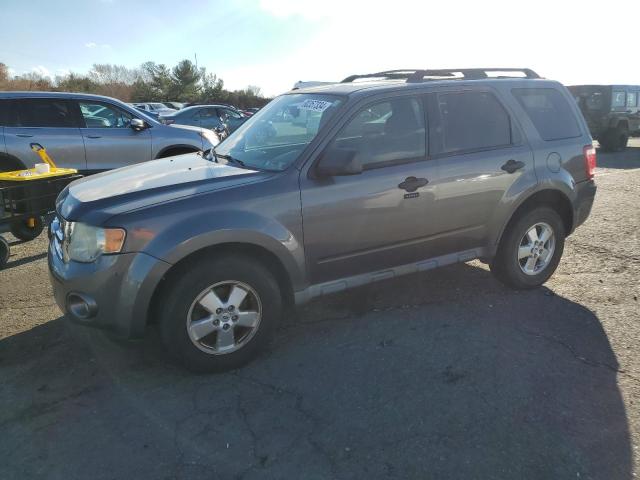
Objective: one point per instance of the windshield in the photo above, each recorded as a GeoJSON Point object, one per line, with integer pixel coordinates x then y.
{"type": "Point", "coordinates": [275, 136]}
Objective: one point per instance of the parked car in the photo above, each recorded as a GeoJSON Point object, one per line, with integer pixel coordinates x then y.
{"type": "Point", "coordinates": [154, 115]}
{"type": "Point", "coordinates": [212, 248]}
{"type": "Point", "coordinates": [87, 132]}
{"type": "Point", "coordinates": [206, 116]}
{"type": "Point", "coordinates": [174, 105]}
{"type": "Point", "coordinates": [612, 112]}
{"type": "Point", "coordinates": [156, 108]}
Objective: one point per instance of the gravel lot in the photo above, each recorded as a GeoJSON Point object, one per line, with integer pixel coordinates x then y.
{"type": "Point", "coordinates": [447, 375]}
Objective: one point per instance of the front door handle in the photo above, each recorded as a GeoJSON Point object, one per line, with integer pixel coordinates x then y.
{"type": "Point", "coordinates": [94, 136]}
{"type": "Point", "coordinates": [411, 184]}
{"type": "Point", "coordinates": [24, 135]}
{"type": "Point", "coordinates": [512, 165]}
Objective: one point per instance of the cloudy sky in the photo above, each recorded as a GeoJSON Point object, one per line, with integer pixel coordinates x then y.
{"type": "Point", "coordinates": [274, 43]}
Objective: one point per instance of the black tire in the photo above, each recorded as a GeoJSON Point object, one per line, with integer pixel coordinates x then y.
{"type": "Point", "coordinates": [507, 267]}
{"type": "Point", "coordinates": [184, 288]}
{"type": "Point", "coordinates": [614, 139]}
{"type": "Point", "coordinates": [22, 231]}
{"type": "Point", "coordinates": [5, 250]}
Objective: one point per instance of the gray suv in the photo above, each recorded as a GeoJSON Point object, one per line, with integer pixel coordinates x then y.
{"type": "Point", "coordinates": [87, 132]}
{"type": "Point", "coordinates": [322, 190]}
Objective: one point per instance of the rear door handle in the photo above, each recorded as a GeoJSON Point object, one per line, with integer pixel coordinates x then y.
{"type": "Point", "coordinates": [411, 184]}
{"type": "Point", "coordinates": [24, 135]}
{"type": "Point", "coordinates": [512, 165]}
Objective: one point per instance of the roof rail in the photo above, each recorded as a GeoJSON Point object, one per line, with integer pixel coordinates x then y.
{"type": "Point", "coordinates": [421, 75]}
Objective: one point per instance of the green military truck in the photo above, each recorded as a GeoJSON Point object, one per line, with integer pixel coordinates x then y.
{"type": "Point", "coordinates": [612, 112]}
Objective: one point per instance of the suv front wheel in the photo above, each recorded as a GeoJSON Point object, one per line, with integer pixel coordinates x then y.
{"type": "Point", "coordinates": [219, 313]}
{"type": "Point", "coordinates": [530, 249]}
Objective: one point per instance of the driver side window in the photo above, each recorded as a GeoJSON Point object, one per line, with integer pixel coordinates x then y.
{"type": "Point", "coordinates": [101, 115]}
{"type": "Point", "coordinates": [390, 131]}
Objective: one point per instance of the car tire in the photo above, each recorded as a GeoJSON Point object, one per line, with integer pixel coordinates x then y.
{"type": "Point", "coordinates": [527, 235]}
{"type": "Point", "coordinates": [5, 250]}
{"type": "Point", "coordinates": [201, 326]}
{"type": "Point", "coordinates": [22, 231]}
{"type": "Point", "coordinates": [614, 139]}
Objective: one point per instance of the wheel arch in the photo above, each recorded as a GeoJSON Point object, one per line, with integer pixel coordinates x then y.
{"type": "Point", "coordinates": [256, 252]}
{"type": "Point", "coordinates": [13, 162]}
{"type": "Point", "coordinates": [178, 149]}
{"type": "Point", "coordinates": [552, 198]}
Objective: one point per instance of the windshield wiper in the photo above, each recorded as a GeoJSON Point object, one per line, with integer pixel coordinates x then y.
{"type": "Point", "coordinates": [231, 159]}
{"type": "Point", "coordinates": [210, 155]}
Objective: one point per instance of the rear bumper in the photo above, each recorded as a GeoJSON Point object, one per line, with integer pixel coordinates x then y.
{"type": "Point", "coordinates": [585, 196]}
{"type": "Point", "coordinates": [112, 293]}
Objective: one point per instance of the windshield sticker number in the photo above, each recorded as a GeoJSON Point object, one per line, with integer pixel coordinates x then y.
{"type": "Point", "coordinates": [315, 105]}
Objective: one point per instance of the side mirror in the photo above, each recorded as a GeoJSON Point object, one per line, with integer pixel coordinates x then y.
{"type": "Point", "coordinates": [337, 162]}
{"type": "Point", "coordinates": [137, 124]}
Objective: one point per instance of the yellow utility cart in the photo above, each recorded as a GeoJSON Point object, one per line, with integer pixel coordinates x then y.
{"type": "Point", "coordinates": [26, 196]}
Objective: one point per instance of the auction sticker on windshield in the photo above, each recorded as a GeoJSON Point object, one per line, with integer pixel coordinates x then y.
{"type": "Point", "coordinates": [315, 105]}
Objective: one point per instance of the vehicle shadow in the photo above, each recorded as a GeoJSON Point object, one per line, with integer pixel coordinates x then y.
{"type": "Point", "coordinates": [446, 375]}
{"type": "Point", "coordinates": [628, 159]}
{"type": "Point", "coordinates": [24, 260]}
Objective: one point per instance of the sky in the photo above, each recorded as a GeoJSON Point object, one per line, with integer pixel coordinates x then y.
{"type": "Point", "coordinates": [275, 43]}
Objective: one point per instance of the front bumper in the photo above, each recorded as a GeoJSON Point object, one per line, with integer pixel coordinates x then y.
{"type": "Point", "coordinates": [117, 290]}
{"type": "Point", "coordinates": [586, 194]}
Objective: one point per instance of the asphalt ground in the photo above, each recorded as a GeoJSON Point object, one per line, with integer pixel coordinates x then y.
{"type": "Point", "coordinates": [444, 375]}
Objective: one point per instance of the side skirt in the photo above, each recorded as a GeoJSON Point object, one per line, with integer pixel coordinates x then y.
{"type": "Point", "coordinates": [347, 283]}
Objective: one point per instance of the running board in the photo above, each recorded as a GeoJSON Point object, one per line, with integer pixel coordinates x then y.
{"type": "Point", "coordinates": [347, 283]}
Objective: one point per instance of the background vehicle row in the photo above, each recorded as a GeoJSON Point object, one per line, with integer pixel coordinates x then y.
{"type": "Point", "coordinates": [87, 132]}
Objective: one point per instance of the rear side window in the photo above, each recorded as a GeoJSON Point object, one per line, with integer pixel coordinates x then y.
{"type": "Point", "coordinates": [617, 99]}
{"type": "Point", "coordinates": [4, 112]}
{"type": "Point", "coordinates": [467, 121]}
{"type": "Point", "coordinates": [631, 99]}
{"type": "Point", "coordinates": [549, 111]}
{"type": "Point", "coordinates": [44, 112]}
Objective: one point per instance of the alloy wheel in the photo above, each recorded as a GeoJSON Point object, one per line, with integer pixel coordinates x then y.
{"type": "Point", "coordinates": [536, 249]}
{"type": "Point", "coordinates": [224, 317]}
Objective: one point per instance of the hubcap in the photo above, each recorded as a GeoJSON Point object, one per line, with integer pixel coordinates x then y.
{"type": "Point", "coordinates": [224, 317]}
{"type": "Point", "coordinates": [536, 248]}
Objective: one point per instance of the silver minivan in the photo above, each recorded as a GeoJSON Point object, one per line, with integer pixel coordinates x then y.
{"type": "Point", "coordinates": [88, 132]}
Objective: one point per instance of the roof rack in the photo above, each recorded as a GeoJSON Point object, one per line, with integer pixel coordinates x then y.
{"type": "Point", "coordinates": [421, 75]}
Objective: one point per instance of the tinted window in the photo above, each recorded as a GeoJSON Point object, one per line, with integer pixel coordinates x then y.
{"type": "Point", "coordinates": [595, 101]}
{"type": "Point", "coordinates": [230, 113]}
{"type": "Point", "coordinates": [4, 112]}
{"type": "Point", "coordinates": [617, 99]}
{"type": "Point", "coordinates": [209, 113]}
{"type": "Point", "coordinates": [464, 121]}
{"type": "Point", "coordinates": [386, 132]}
{"type": "Point", "coordinates": [44, 112]}
{"type": "Point", "coordinates": [99, 115]}
{"type": "Point", "coordinates": [549, 111]}
{"type": "Point", "coordinates": [631, 99]}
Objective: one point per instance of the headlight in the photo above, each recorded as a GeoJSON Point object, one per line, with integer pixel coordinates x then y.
{"type": "Point", "coordinates": [85, 243]}
{"type": "Point", "coordinates": [210, 137]}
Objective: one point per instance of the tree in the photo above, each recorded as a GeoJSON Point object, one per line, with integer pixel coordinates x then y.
{"type": "Point", "coordinates": [75, 83]}
{"type": "Point", "coordinates": [212, 88]}
{"type": "Point", "coordinates": [185, 82]}
{"type": "Point", "coordinates": [4, 73]}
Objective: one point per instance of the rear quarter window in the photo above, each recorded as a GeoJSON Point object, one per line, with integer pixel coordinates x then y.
{"type": "Point", "coordinates": [549, 112]}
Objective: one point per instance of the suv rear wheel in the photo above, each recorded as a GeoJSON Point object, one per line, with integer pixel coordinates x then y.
{"type": "Point", "coordinates": [219, 313]}
{"type": "Point", "coordinates": [530, 249]}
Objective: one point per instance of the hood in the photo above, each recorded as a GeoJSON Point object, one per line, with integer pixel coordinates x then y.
{"type": "Point", "coordinates": [96, 198]}
{"type": "Point", "coordinates": [188, 127]}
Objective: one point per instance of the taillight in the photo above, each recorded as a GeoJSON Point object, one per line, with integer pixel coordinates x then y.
{"type": "Point", "coordinates": [590, 160]}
